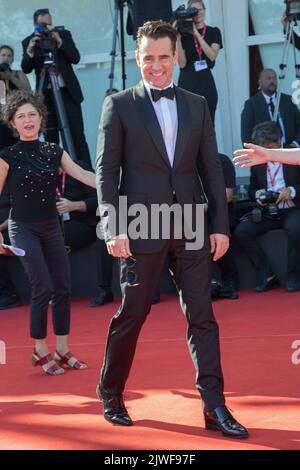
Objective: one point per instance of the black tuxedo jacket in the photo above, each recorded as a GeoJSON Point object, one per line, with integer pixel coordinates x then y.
{"type": "Point", "coordinates": [256, 111]}
{"type": "Point", "coordinates": [65, 55]}
{"type": "Point", "coordinates": [132, 159]}
{"type": "Point", "coordinates": [291, 173]}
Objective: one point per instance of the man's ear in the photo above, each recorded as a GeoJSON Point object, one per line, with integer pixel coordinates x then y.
{"type": "Point", "coordinates": [137, 58]}
{"type": "Point", "coordinates": [176, 56]}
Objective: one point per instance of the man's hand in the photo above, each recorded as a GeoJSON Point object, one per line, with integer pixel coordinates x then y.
{"type": "Point", "coordinates": [7, 75]}
{"type": "Point", "coordinates": [64, 205]}
{"type": "Point", "coordinates": [119, 246]}
{"type": "Point", "coordinates": [258, 193]}
{"type": "Point", "coordinates": [285, 195]}
{"type": "Point", "coordinates": [219, 244]}
{"type": "Point", "coordinates": [57, 37]}
{"type": "Point", "coordinates": [32, 44]}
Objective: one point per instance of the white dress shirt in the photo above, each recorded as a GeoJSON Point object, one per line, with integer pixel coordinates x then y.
{"type": "Point", "coordinates": [166, 112]}
{"type": "Point", "coordinates": [279, 183]}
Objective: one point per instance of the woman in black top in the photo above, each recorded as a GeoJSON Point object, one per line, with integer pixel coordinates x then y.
{"type": "Point", "coordinates": [31, 168]}
{"type": "Point", "coordinates": [197, 54]}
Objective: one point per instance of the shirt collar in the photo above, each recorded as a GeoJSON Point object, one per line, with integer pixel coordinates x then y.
{"type": "Point", "coordinates": [267, 97]}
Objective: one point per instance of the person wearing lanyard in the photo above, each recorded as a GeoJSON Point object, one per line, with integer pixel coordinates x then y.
{"type": "Point", "coordinates": [197, 54]}
{"type": "Point", "coordinates": [285, 180]}
{"type": "Point", "coordinates": [260, 108]}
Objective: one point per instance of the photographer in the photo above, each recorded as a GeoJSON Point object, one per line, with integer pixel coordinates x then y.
{"type": "Point", "coordinates": [14, 79]}
{"type": "Point", "coordinates": [292, 13]}
{"type": "Point", "coordinates": [197, 53]}
{"type": "Point", "coordinates": [65, 53]}
{"type": "Point", "coordinates": [9, 80]}
{"type": "Point", "coordinates": [281, 210]}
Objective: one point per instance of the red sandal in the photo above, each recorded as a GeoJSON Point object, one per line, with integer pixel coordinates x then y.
{"type": "Point", "coordinates": [64, 361]}
{"type": "Point", "coordinates": [37, 360]}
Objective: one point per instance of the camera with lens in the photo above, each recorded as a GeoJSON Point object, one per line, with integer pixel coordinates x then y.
{"type": "Point", "coordinates": [292, 9]}
{"type": "Point", "coordinates": [270, 210]}
{"type": "Point", "coordinates": [4, 67]}
{"type": "Point", "coordinates": [46, 42]}
{"type": "Point", "coordinates": [184, 17]}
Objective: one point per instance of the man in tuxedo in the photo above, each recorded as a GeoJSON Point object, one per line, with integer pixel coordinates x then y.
{"type": "Point", "coordinates": [65, 54]}
{"type": "Point", "coordinates": [260, 108]}
{"type": "Point", "coordinates": [161, 140]}
{"type": "Point", "coordinates": [284, 179]}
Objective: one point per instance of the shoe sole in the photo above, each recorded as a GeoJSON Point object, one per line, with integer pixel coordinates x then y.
{"type": "Point", "coordinates": [267, 290]}
{"type": "Point", "coordinates": [212, 427]}
{"type": "Point", "coordinates": [17, 304]}
{"type": "Point", "coordinates": [101, 305]}
{"type": "Point", "coordinates": [116, 424]}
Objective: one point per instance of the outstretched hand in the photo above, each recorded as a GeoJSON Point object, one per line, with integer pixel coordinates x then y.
{"type": "Point", "coordinates": [251, 155]}
{"type": "Point", "coordinates": [2, 250]}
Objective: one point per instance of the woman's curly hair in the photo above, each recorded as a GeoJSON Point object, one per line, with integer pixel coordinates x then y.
{"type": "Point", "coordinates": [18, 98]}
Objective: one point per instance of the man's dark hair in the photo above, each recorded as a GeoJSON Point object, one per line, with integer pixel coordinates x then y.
{"type": "Point", "coordinates": [42, 12]}
{"type": "Point", "coordinates": [267, 132]}
{"type": "Point", "coordinates": [111, 92]}
{"type": "Point", "coordinates": [17, 99]}
{"type": "Point", "coordinates": [5, 46]}
{"type": "Point", "coordinates": [190, 3]}
{"type": "Point", "coordinates": [156, 30]}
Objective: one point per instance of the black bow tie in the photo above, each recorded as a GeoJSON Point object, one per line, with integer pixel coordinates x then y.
{"type": "Point", "coordinates": [166, 93]}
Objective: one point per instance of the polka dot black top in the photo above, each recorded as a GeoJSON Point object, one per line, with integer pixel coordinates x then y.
{"type": "Point", "coordinates": [32, 179]}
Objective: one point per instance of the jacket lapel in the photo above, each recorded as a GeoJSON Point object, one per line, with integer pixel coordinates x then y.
{"type": "Point", "coordinates": [150, 120]}
{"type": "Point", "coordinates": [183, 127]}
{"type": "Point", "coordinates": [263, 172]}
{"type": "Point", "coordinates": [265, 115]}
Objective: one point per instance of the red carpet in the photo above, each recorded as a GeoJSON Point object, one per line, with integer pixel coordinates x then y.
{"type": "Point", "coordinates": [261, 383]}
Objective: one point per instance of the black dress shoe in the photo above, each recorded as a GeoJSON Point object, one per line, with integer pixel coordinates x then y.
{"type": "Point", "coordinates": [215, 288]}
{"type": "Point", "coordinates": [9, 301]}
{"type": "Point", "coordinates": [293, 285]}
{"type": "Point", "coordinates": [268, 284]}
{"type": "Point", "coordinates": [221, 290]}
{"type": "Point", "coordinates": [156, 298]}
{"type": "Point", "coordinates": [102, 297]}
{"type": "Point", "coordinates": [227, 291]}
{"type": "Point", "coordinates": [114, 410]}
{"type": "Point", "coordinates": [220, 419]}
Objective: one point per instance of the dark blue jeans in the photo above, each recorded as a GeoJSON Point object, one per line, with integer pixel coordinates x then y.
{"type": "Point", "coordinates": [47, 267]}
